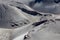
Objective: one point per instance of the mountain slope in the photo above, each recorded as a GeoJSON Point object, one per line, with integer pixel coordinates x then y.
{"type": "Point", "coordinates": [27, 11]}
{"type": "Point", "coordinates": [9, 16]}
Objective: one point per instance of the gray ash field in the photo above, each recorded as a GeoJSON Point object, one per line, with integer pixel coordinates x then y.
{"type": "Point", "coordinates": [19, 20]}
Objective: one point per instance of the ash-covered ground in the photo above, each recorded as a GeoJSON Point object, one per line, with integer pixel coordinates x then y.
{"type": "Point", "coordinates": [29, 20]}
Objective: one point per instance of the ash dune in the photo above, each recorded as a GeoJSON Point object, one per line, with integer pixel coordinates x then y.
{"type": "Point", "coordinates": [13, 19]}
{"type": "Point", "coordinates": [20, 22]}
{"type": "Point", "coordinates": [9, 16]}
{"type": "Point", "coordinates": [27, 11]}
